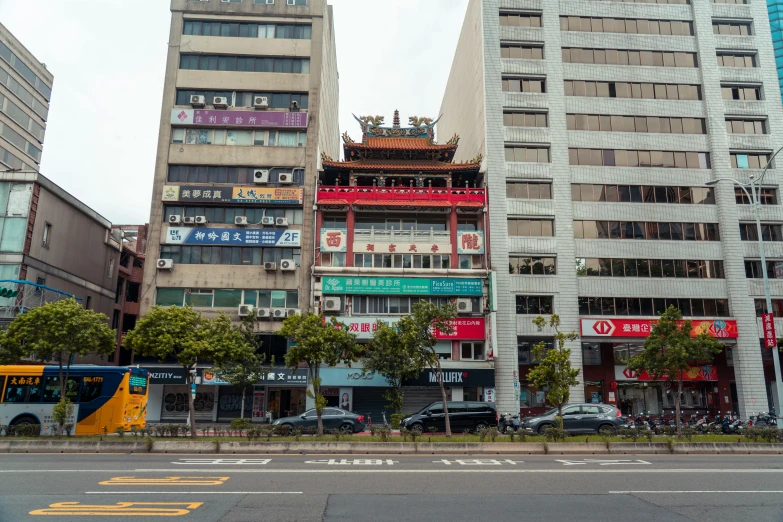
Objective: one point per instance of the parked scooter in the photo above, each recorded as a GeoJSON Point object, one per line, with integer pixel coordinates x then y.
{"type": "Point", "coordinates": [508, 422]}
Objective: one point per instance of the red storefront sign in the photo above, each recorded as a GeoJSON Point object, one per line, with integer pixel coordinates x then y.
{"type": "Point", "coordinates": [464, 329]}
{"type": "Point", "coordinates": [719, 328]}
{"type": "Point", "coordinates": [694, 373]}
{"type": "Point", "coordinates": [768, 324]}
{"type": "Point", "coordinates": [467, 329]}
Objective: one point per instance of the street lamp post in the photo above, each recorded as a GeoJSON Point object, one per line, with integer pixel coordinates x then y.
{"type": "Point", "coordinates": [755, 208]}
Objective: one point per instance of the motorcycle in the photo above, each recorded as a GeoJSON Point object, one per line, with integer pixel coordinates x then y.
{"type": "Point", "coordinates": [508, 422]}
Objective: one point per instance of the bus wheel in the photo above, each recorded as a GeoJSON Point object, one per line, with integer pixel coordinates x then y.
{"type": "Point", "coordinates": [24, 426]}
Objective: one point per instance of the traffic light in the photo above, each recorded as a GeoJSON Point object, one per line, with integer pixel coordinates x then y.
{"type": "Point", "coordinates": [7, 292]}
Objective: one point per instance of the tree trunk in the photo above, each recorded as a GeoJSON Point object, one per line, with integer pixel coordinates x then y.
{"type": "Point", "coordinates": [316, 393]}
{"type": "Point", "coordinates": [242, 410]}
{"type": "Point", "coordinates": [677, 408]}
{"type": "Point", "coordinates": [191, 405]}
{"type": "Point", "coordinates": [443, 395]}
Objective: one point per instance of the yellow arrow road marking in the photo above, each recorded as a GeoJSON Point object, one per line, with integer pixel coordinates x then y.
{"type": "Point", "coordinates": [155, 509]}
{"type": "Point", "coordinates": [166, 481]}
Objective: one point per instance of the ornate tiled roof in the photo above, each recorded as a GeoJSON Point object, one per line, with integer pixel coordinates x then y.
{"type": "Point", "coordinates": [397, 165]}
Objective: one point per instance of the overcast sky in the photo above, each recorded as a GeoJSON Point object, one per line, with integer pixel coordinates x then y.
{"type": "Point", "coordinates": [102, 131]}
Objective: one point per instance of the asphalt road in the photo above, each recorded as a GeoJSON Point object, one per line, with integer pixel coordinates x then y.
{"type": "Point", "coordinates": [390, 488]}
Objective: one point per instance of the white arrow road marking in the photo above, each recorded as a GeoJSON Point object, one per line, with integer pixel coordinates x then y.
{"type": "Point", "coordinates": [354, 462]}
{"type": "Point", "coordinates": [600, 462]}
{"type": "Point", "coordinates": [220, 462]}
{"type": "Point", "coordinates": [477, 462]}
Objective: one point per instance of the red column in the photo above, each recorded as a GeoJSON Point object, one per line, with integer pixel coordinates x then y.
{"type": "Point", "coordinates": [350, 223]}
{"type": "Point", "coordinates": [453, 235]}
{"type": "Point", "coordinates": [319, 223]}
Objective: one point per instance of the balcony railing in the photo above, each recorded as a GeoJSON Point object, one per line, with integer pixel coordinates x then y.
{"type": "Point", "coordinates": [402, 236]}
{"type": "Point", "coordinates": [352, 194]}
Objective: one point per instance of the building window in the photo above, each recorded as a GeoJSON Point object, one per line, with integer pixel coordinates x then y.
{"type": "Point", "coordinates": [528, 85]}
{"type": "Point", "coordinates": [769, 232]}
{"type": "Point", "coordinates": [217, 255]}
{"type": "Point", "coordinates": [520, 20]}
{"type": "Point", "coordinates": [525, 119]}
{"type": "Point", "coordinates": [738, 2]}
{"type": "Point", "coordinates": [336, 259]}
{"type": "Point", "coordinates": [732, 28]}
{"type": "Point", "coordinates": [736, 60]}
{"type": "Point", "coordinates": [17, 140]}
{"type": "Point", "coordinates": [472, 351]}
{"type": "Point", "coordinates": [663, 231]}
{"type": "Point", "coordinates": [743, 160]}
{"type": "Point", "coordinates": [761, 307]}
{"type": "Point", "coordinates": [132, 292]}
{"type": "Point", "coordinates": [229, 175]}
{"type": "Point", "coordinates": [753, 268]}
{"type": "Point", "coordinates": [639, 158]}
{"type": "Point", "coordinates": [524, 51]}
{"type": "Point", "coordinates": [643, 194]}
{"type": "Point", "coordinates": [214, 62]}
{"type": "Point", "coordinates": [534, 304]}
{"type": "Point", "coordinates": [528, 154]}
{"type": "Point", "coordinates": [651, 124]}
{"type": "Point", "coordinates": [47, 235]}
{"type": "Point", "coordinates": [226, 215]}
{"type": "Point", "coordinates": [591, 354]}
{"type": "Point", "coordinates": [693, 269]}
{"type": "Point", "coordinates": [628, 26]}
{"type": "Point", "coordinates": [766, 195]}
{"type": "Point", "coordinates": [238, 137]}
{"type": "Point", "coordinates": [296, 2]}
{"type": "Point", "coordinates": [746, 126]}
{"type": "Point", "coordinates": [524, 265]}
{"type": "Point", "coordinates": [398, 261]}
{"type": "Point", "coordinates": [529, 190]}
{"type": "Point", "coordinates": [229, 298]}
{"type": "Point", "coordinates": [24, 95]}
{"type": "Point", "coordinates": [524, 227]}
{"type": "Point", "coordinates": [392, 305]}
{"type": "Point", "coordinates": [628, 57]}
{"type": "Point", "coordinates": [20, 67]}
{"type": "Point", "coordinates": [648, 306]}
{"type": "Point", "coordinates": [246, 30]}
{"type": "Point", "coordinates": [276, 100]}
{"type": "Point", "coordinates": [649, 91]}
{"type": "Point", "coordinates": [88, 303]}
{"type": "Point", "coordinates": [741, 93]}
{"type": "Point", "coordinates": [111, 268]}
{"type": "Point", "coordinates": [525, 346]}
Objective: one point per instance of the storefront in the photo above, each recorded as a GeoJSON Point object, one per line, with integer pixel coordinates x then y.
{"type": "Point", "coordinates": [351, 389]}
{"type": "Point", "coordinates": [168, 396]}
{"type": "Point", "coordinates": [462, 384]}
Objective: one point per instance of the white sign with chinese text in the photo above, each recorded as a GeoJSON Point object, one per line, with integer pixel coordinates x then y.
{"type": "Point", "coordinates": [334, 240]}
{"type": "Point", "coordinates": [401, 248]}
{"type": "Point", "coordinates": [470, 242]}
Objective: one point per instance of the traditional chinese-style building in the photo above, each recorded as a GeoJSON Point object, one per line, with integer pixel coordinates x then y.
{"type": "Point", "coordinates": [398, 221]}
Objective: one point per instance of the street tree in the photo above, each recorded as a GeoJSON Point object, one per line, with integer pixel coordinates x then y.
{"type": "Point", "coordinates": [317, 342]}
{"type": "Point", "coordinates": [669, 351]}
{"type": "Point", "coordinates": [389, 357]}
{"type": "Point", "coordinates": [417, 337]}
{"type": "Point", "coordinates": [182, 334]}
{"type": "Point", "coordinates": [59, 331]}
{"type": "Point", "coordinates": [553, 371]}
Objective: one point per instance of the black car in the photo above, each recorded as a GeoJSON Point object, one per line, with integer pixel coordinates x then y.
{"type": "Point", "coordinates": [578, 418]}
{"type": "Point", "coordinates": [463, 416]}
{"type": "Point", "coordinates": [333, 418]}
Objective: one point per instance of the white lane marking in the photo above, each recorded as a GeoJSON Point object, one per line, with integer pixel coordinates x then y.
{"type": "Point", "coordinates": [354, 462]}
{"type": "Point", "coordinates": [703, 491]}
{"type": "Point", "coordinates": [343, 470]}
{"type": "Point", "coordinates": [193, 493]}
{"type": "Point", "coordinates": [216, 462]}
{"type": "Point", "coordinates": [601, 462]}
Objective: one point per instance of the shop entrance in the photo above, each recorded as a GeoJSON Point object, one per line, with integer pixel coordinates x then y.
{"type": "Point", "coordinates": [639, 399]}
{"type": "Point", "coordinates": [286, 402]}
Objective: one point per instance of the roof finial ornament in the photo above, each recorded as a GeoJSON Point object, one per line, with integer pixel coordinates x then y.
{"type": "Point", "coordinates": [396, 122]}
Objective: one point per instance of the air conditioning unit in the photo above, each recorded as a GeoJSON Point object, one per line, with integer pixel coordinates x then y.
{"type": "Point", "coordinates": [293, 311]}
{"type": "Point", "coordinates": [267, 220]}
{"type": "Point", "coordinates": [464, 305]}
{"type": "Point", "coordinates": [287, 264]}
{"type": "Point", "coordinates": [175, 219]}
{"type": "Point", "coordinates": [261, 176]}
{"type": "Point", "coordinates": [279, 313]}
{"type": "Point", "coordinates": [240, 220]}
{"type": "Point", "coordinates": [270, 266]}
{"type": "Point", "coordinates": [281, 222]}
{"type": "Point", "coordinates": [189, 220]}
{"type": "Point", "coordinates": [201, 220]}
{"type": "Point", "coordinates": [263, 312]}
{"type": "Point", "coordinates": [333, 304]}
{"type": "Point", "coordinates": [294, 106]}
{"type": "Point", "coordinates": [260, 102]}
{"type": "Point", "coordinates": [220, 102]}
{"type": "Point", "coordinates": [245, 310]}
{"type": "Point", "coordinates": [286, 178]}
{"type": "Point", "coordinates": [165, 264]}
{"type": "Point", "coordinates": [197, 101]}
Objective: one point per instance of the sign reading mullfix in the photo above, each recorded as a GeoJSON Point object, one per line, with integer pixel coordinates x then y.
{"type": "Point", "coordinates": [455, 377]}
{"type": "Point", "coordinates": [235, 118]}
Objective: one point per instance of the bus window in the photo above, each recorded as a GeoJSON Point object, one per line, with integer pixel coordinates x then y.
{"type": "Point", "coordinates": [2, 382]}
{"type": "Point", "coordinates": [91, 388]}
{"type": "Point", "coordinates": [23, 389]}
{"type": "Point", "coordinates": [51, 391]}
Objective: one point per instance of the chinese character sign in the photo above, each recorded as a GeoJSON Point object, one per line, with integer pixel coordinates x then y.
{"type": "Point", "coordinates": [768, 324]}
{"type": "Point", "coordinates": [235, 118]}
{"type": "Point", "coordinates": [233, 237]}
{"type": "Point", "coordinates": [334, 240]}
{"type": "Point", "coordinates": [719, 328]}
{"type": "Point", "coordinates": [402, 286]}
{"type": "Point", "coordinates": [463, 328]}
{"type": "Point", "coordinates": [470, 242]}
{"type": "Point", "coordinates": [240, 194]}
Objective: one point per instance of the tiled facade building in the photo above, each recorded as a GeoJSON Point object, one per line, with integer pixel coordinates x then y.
{"type": "Point", "coordinates": [601, 123]}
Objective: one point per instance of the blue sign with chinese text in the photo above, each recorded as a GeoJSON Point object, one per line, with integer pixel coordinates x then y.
{"type": "Point", "coordinates": [233, 237]}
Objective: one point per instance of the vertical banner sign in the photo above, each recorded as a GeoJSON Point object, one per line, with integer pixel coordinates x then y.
{"type": "Point", "coordinates": [492, 335]}
{"type": "Point", "coordinates": [768, 324]}
{"type": "Point", "coordinates": [493, 303]}
{"type": "Point", "coordinates": [193, 390]}
{"type": "Point", "coordinates": [258, 403]}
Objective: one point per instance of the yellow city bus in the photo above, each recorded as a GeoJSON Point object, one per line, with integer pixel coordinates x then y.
{"type": "Point", "coordinates": [105, 398]}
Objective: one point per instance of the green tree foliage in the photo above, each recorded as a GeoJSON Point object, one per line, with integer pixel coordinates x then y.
{"type": "Point", "coordinates": [61, 412]}
{"type": "Point", "coordinates": [316, 342]}
{"type": "Point", "coordinates": [388, 356]}
{"type": "Point", "coordinates": [554, 372]}
{"type": "Point", "coordinates": [61, 331]}
{"type": "Point", "coordinates": [670, 350]}
{"type": "Point", "coordinates": [182, 334]}
{"type": "Point", "coordinates": [417, 337]}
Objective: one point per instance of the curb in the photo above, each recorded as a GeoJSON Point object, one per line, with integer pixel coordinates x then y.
{"type": "Point", "coordinates": [71, 446]}
{"type": "Point", "coordinates": [566, 448]}
{"type": "Point", "coordinates": [184, 446]}
{"type": "Point", "coordinates": [630, 448]}
{"type": "Point", "coordinates": [389, 448]}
